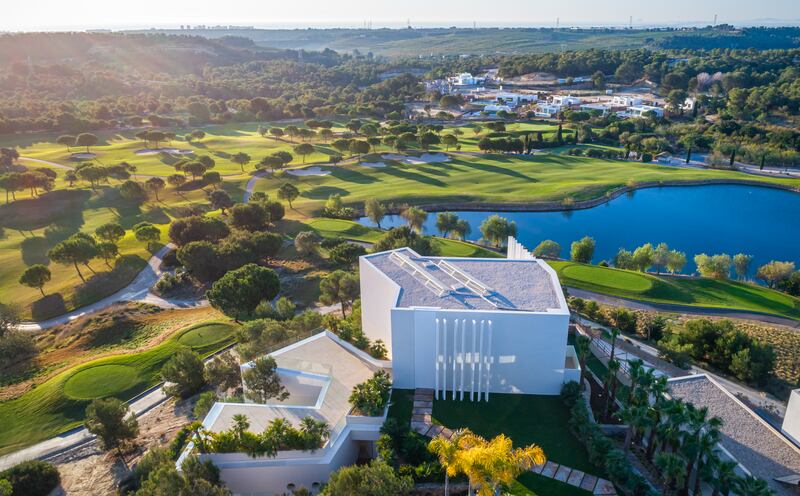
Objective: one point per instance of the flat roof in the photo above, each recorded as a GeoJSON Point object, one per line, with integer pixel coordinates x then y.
{"type": "Point", "coordinates": [755, 444]}
{"type": "Point", "coordinates": [337, 365]}
{"type": "Point", "coordinates": [514, 285]}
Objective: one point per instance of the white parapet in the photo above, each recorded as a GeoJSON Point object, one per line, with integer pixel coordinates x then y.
{"type": "Point", "coordinates": [791, 422]}
{"type": "Point", "coordinates": [517, 251]}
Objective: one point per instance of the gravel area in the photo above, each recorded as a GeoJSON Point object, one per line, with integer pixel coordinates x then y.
{"type": "Point", "coordinates": [764, 451]}
{"type": "Point", "coordinates": [519, 285]}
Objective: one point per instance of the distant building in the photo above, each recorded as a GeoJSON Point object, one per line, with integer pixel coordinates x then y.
{"type": "Point", "coordinates": [565, 101]}
{"type": "Point", "coordinates": [625, 101]}
{"type": "Point", "coordinates": [514, 99]}
{"type": "Point", "coordinates": [497, 108]}
{"type": "Point", "coordinates": [599, 107]}
{"type": "Point", "coordinates": [546, 110]}
{"type": "Point", "coordinates": [689, 104]}
{"type": "Point", "coordinates": [642, 110]}
{"type": "Point", "coordinates": [466, 79]}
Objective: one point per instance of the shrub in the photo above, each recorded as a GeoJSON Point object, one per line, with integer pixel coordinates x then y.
{"type": "Point", "coordinates": [370, 397]}
{"type": "Point", "coordinates": [32, 478]}
{"type": "Point", "coordinates": [570, 393]}
{"type": "Point", "coordinates": [204, 403]}
{"type": "Point", "coordinates": [347, 253]}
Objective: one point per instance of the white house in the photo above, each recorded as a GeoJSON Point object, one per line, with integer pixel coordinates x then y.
{"type": "Point", "coordinates": [319, 372]}
{"type": "Point", "coordinates": [467, 79]}
{"type": "Point", "coordinates": [640, 111]}
{"type": "Point", "coordinates": [514, 99]}
{"type": "Point", "coordinates": [497, 108]}
{"type": "Point", "coordinates": [546, 110]}
{"type": "Point", "coordinates": [469, 327]}
{"type": "Point", "coordinates": [625, 101]}
{"type": "Point", "coordinates": [599, 107]}
{"type": "Point", "coordinates": [566, 101]}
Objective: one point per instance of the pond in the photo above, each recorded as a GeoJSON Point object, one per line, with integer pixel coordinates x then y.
{"type": "Point", "coordinates": [762, 222]}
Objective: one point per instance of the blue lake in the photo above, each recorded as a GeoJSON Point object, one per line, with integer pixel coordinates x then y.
{"type": "Point", "coordinates": [761, 222]}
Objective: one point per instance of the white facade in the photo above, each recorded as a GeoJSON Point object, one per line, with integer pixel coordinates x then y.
{"type": "Point", "coordinates": [625, 101]}
{"type": "Point", "coordinates": [566, 101]}
{"type": "Point", "coordinates": [642, 110]}
{"type": "Point", "coordinates": [791, 422]}
{"type": "Point", "coordinates": [603, 109]}
{"type": "Point", "coordinates": [467, 79]}
{"type": "Point", "coordinates": [465, 327]}
{"type": "Point", "coordinates": [514, 99]}
{"type": "Point", "coordinates": [547, 110]}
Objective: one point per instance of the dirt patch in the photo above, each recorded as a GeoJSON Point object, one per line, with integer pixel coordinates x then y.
{"type": "Point", "coordinates": [89, 471]}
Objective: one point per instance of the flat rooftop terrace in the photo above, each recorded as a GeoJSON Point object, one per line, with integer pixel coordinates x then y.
{"type": "Point", "coordinates": [470, 283]}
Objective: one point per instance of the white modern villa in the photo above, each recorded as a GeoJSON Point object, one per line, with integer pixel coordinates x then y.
{"type": "Point", "coordinates": [464, 327]}
{"type": "Point", "coordinates": [319, 372]}
{"type": "Point", "coordinates": [468, 327]}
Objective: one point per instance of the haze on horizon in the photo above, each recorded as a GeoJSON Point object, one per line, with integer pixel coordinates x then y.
{"type": "Point", "coordinates": [56, 15]}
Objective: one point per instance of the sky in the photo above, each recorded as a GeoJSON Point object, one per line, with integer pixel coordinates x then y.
{"type": "Point", "coordinates": [53, 15]}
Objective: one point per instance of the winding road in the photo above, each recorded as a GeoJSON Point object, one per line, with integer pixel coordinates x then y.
{"type": "Point", "coordinates": [138, 290]}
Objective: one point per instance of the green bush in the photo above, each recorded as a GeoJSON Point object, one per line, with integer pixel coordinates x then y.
{"type": "Point", "coordinates": [571, 393]}
{"type": "Point", "coordinates": [32, 478]}
{"type": "Point", "coordinates": [370, 397]}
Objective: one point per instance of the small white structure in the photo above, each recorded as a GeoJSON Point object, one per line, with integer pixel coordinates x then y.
{"type": "Point", "coordinates": [514, 99]}
{"type": "Point", "coordinates": [625, 101]}
{"type": "Point", "coordinates": [566, 101]}
{"type": "Point", "coordinates": [689, 104]}
{"type": "Point", "coordinates": [319, 372]}
{"type": "Point", "coordinates": [791, 422]}
{"type": "Point", "coordinates": [497, 108]}
{"type": "Point", "coordinates": [468, 327]}
{"type": "Point", "coordinates": [642, 111]}
{"type": "Point", "coordinates": [599, 107]}
{"type": "Point", "coordinates": [546, 110]}
{"type": "Point", "coordinates": [466, 79]}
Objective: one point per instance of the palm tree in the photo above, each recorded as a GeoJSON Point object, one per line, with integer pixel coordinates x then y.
{"type": "Point", "coordinates": [706, 455]}
{"type": "Point", "coordinates": [671, 466]}
{"type": "Point", "coordinates": [723, 476]}
{"type": "Point", "coordinates": [582, 349]}
{"type": "Point", "coordinates": [611, 384]}
{"type": "Point", "coordinates": [753, 486]}
{"type": "Point", "coordinates": [448, 451]}
{"type": "Point", "coordinates": [637, 418]}
{"type": "Point", "coordinates": [492, 463]}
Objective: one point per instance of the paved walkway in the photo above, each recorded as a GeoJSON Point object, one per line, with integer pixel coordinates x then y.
{"type": "Point", "coordinates": [138, 290]}
{"type": "Point", "coordinates": [421, 422]}
{"type": "Point", "coordinates": [687, 309]}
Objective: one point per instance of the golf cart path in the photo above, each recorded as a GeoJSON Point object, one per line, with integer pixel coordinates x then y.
{"type": "Point", "coordinates": [688, 309]}
{"type": "Point", "coordinates": [137, 290]}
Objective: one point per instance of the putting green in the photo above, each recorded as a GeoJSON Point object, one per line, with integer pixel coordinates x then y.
{"type": "Point", "coordinates": [101, 381]}
{"type": "Point", "coordinates": [206, 334]}
{"type": "Point", "coordinates": [615, 279]}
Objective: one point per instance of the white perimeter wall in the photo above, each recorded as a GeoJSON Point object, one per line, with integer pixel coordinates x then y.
{"type": "Point", "coordinates": [791, 422]}
{"type": "Point", "coordinates": [519, 353]}
{"type": "Point", "coordinates": [378, 295]}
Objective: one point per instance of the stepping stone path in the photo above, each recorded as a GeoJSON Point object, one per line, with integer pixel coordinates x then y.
{"type": "Point", "coordinates": [422, 423]}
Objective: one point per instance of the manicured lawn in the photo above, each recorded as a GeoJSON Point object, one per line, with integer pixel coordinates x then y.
{"type": "Point", "coordinates": [490, 178]}
{"type": "Point", "coordinates": [679, 291]}
{"type": "Point", "coordinates": [59, 403]}
{"type": "Point", "coordinates": [331, 228]}
{"type": "Point", "coordinates": [526, 419]}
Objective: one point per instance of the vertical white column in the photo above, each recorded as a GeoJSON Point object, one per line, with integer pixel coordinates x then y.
{"type": "Point", "coordinates": [444, 359]}
{"type": "Point", "coordinates": [436, 378]}
{"type": "Point", "coordinates": [472, 361]}
{"type": "Point", "coordinates": [489, 361]}
{"type": "Point", "coordinates": [455, 355]}
{"type": "Point", "coordinates": [480, 360]}
{"type": "Point", "coordinates": [463, 355]}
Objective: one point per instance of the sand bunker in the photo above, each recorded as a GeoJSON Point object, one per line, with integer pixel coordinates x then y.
{"type": "Point", "coordinates": [425, 158]}
{"type": "Point", "coordinates": [171, 151]}
{"type": "Point", "coordinates": [83, 156]}
{"type": "Point", "coordinates": [374, 165]}
{"type": "Point", "coordinates": [311, 171]}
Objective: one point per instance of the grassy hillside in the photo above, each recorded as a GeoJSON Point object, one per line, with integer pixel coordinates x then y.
{"type": "Point", "coordinates": [59, 403]}
{"type": "Point", "coordinates": [699, 292]}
